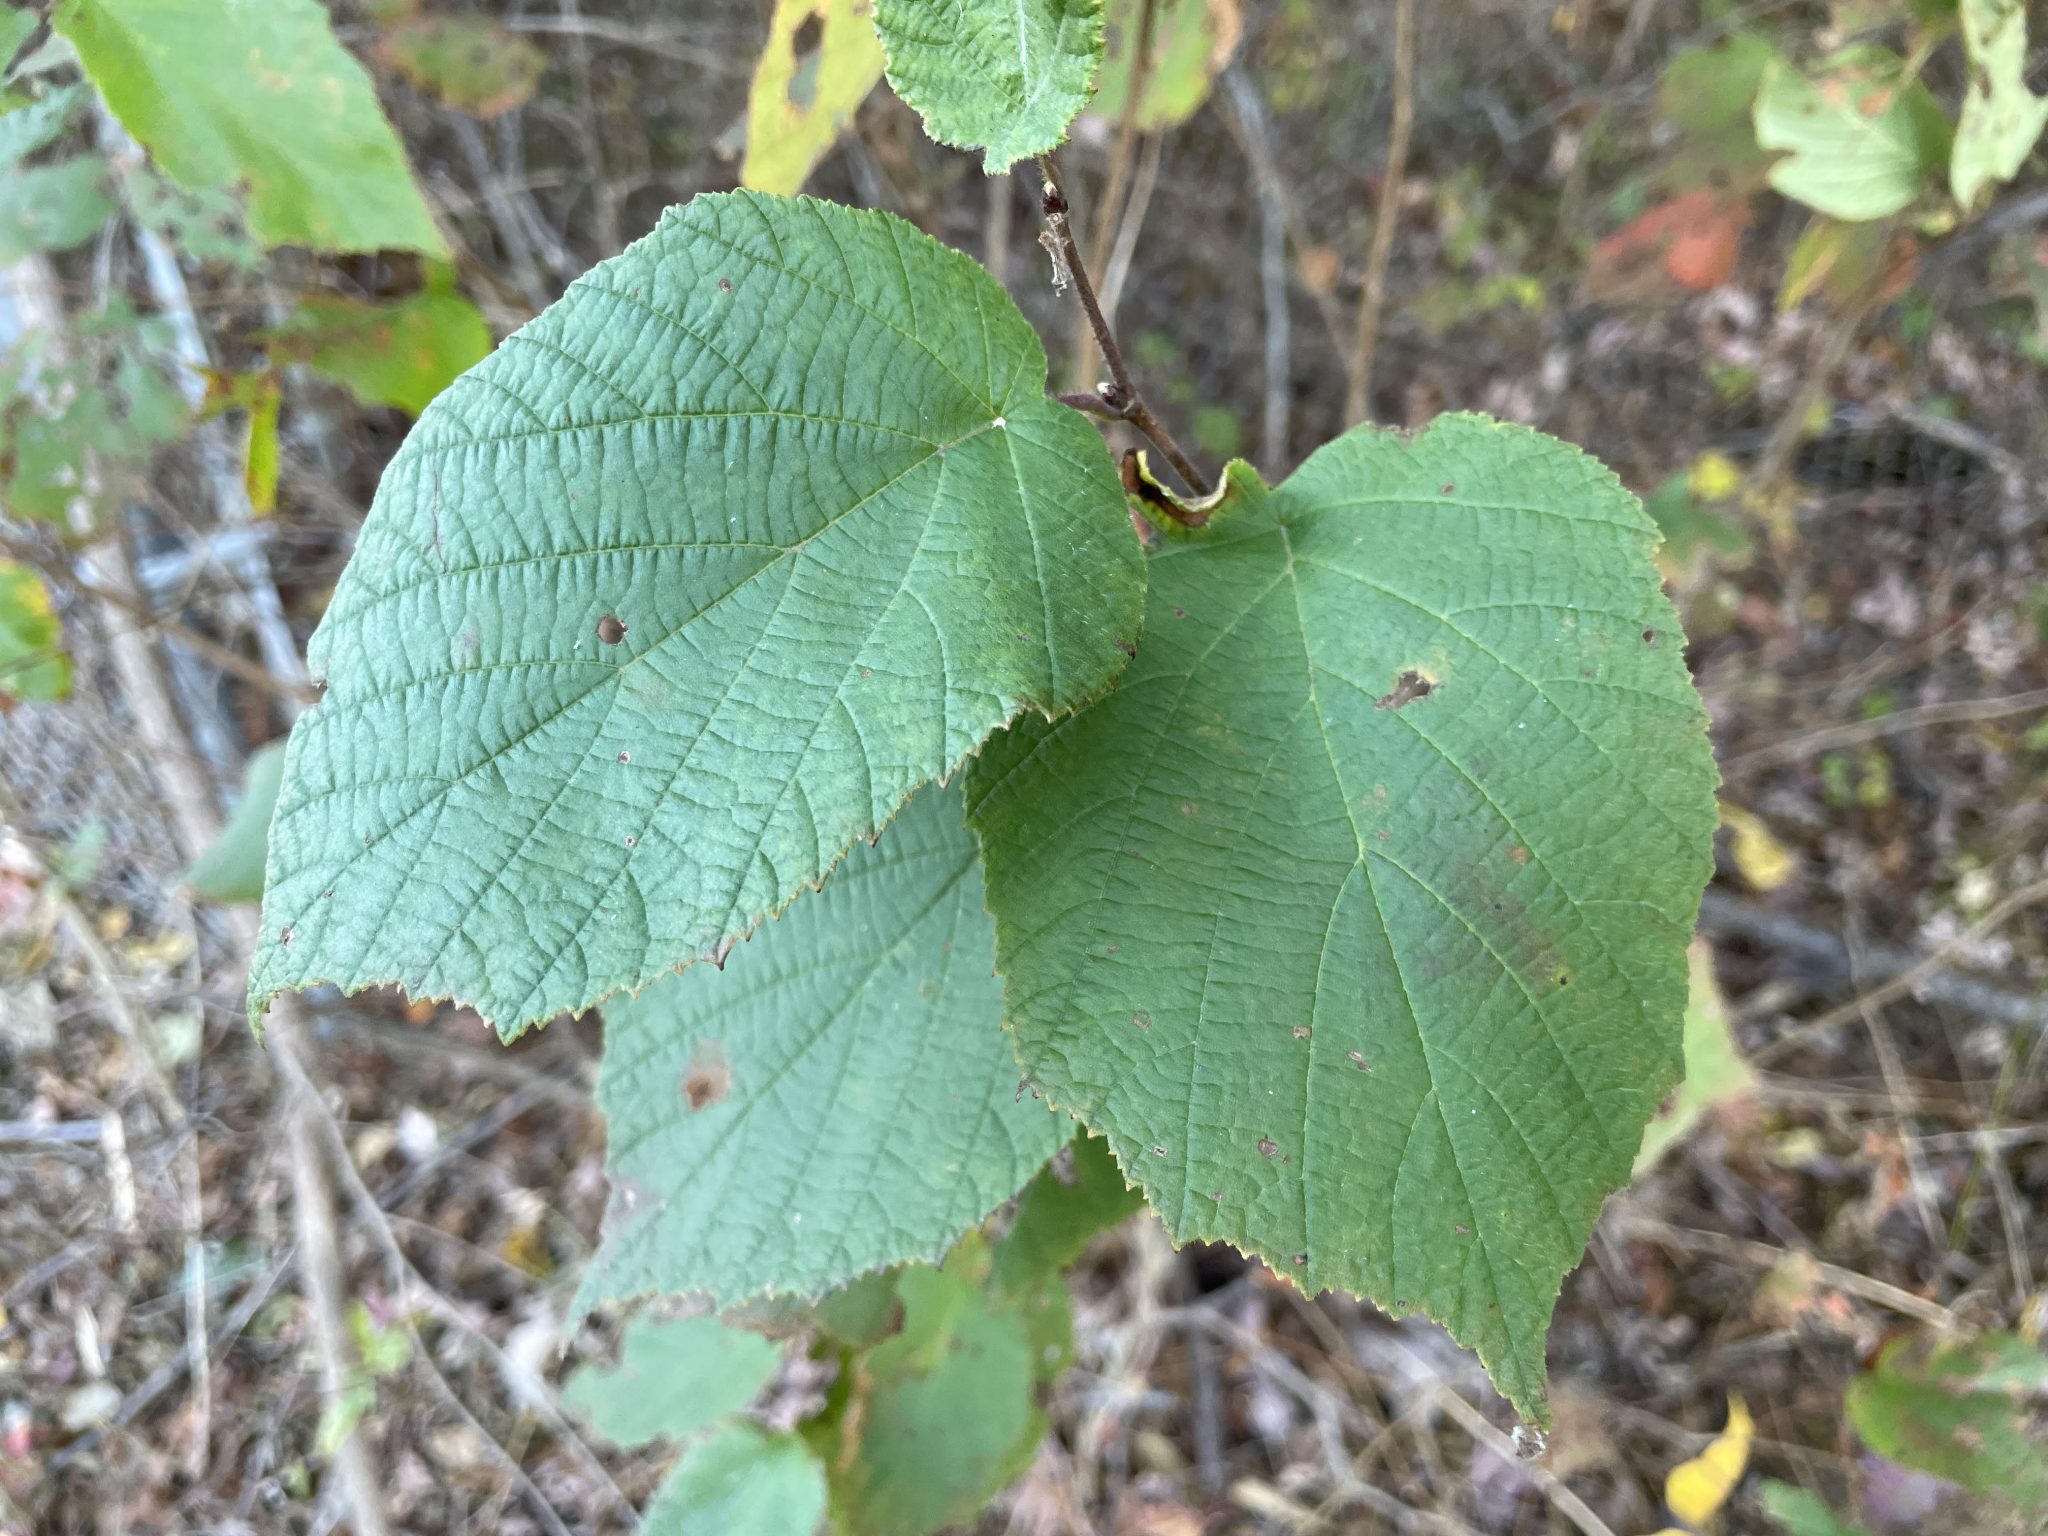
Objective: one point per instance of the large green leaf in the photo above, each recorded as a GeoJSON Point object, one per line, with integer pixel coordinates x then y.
{"type": "Point", "coordinates": [841, 1097]}
{"type": "Point", "coordinates": [258, 94]}
{"type": "Point", "coordinates": [2001, 118]}
{"type": "Point", "coordinates": [819, 64]}
{"type": "Point", "coordinates": [1863, 140]}
{"type": "Point", "coordinates": [1002, 76]}
{"type": "Point", "coordinates": [674, 1375]}
{"type": "Point", "coordinates": [689, 585]}
{"type": "Point", "coordinates": [740, 1482]}
{"type": "Point", "coordinates": [1356, 917]}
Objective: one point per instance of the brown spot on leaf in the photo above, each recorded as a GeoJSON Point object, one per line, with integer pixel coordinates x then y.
{"type": "Point", "coordinates": [1449, 487]}
{"type": "Point", "coordinates": [1268, 1147]}
{"type": "Point", "coordinates": [1462, 1230]}
{"type": "Point", "coordinates": [287, 935]}
{"type": "Point", "coordinates": [1519, 854]}
{"type": "Point", "coordinates": [1357, 1059]}
{"type": "Point", "coordinates": [625, 757]}
{"type": "Point", "coordinates": [1159, 1151]}
{"type": "Point", "coordinates": [1302, 1031]}
{"type": "Point", "coordinates": [725, 285]}
{"type": "Point", "coordinates": [708, 1077]}
{"type": "Point", "coordinates": [1142, 1019]}
{"type": "Point", "coordinates": [1649, 637]}
{"type": "Point", "coordinates": [611, 629]}
{"type": "Point", "coordinates": [1408, 687]}
{"type": "Point", "coordinates": [1301, 1258]}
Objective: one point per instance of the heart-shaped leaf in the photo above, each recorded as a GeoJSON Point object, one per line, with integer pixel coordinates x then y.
{"type": "Point", "coordinates": [691, 583]}
{"type": "Point", "coordinates": [1356, 917]}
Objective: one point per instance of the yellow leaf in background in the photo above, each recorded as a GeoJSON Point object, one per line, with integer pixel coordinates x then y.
{"type": "Point", "coordinates": [1763, 861]}
{"type": "Point", "coordinates": [821, 60]}
{"type": "Point", "coordinates": [1713, 476]}
{"type": "Point", "coordinates": [1696, 1489]}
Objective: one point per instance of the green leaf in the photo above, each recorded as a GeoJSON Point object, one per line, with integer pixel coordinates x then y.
{"type": "Point", "coordinates": [689, 585]}
{"type": "Point", "coordinates": [935, 1420]}
{"type": "Point", "coordinates": [80, 421]}
{"type": "Point", "coordinates": [1862, 140]}
{"type": "Point", "coordinates": [1002, 76]}
{"type": "Point", "coordinates": [401, 354]}
{"type": "Point", "coordinates": [862, 1312]}
{"type": "Point", "coordinates": [1715, 1072]}
{"type": "Point", "coordinates": [1800, 1512]}
{"type": "Point", "coordinates": [674, 1375]}
{"type": "Point", "coordinates": [1192, 40]}
{"type": "Point", "coordinates": [52, 207]}
{"type": "Point", "coordinates": [1958, 1409]}
{"type": "Point", "coordinates": [1708, 92]}
{"type": "Point", "coordinates": [2001, 118]}
{"type": "Point", "coordinates": [206, 225]}
{"type": "Point", "coordinates": [740, 1482]}
{"type": "Point", "coordinates": [32, 660]}
{"type": "Point", "coordinates": [36, 124]}
{"type": "Point", "coordinates": [15, 27]}
{"type": "Point", "coordinates": [1356, 917]}
{"type": "Point", "coordinates": [231, 868]}
{"type": "Point", "coordinates": [471, 63]}
{"type": "Point", "coordinates": [1060, 1212]}
{"type": "Point", "coordinates": [803, 98]}
{"type": "Point", "coordinates": [260, 94]}
{"type": "Point", "coordinates": [842, 1096]}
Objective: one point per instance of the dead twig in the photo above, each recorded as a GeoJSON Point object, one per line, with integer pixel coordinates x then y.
{"type": "Point", "coordinates": [1372, 300]}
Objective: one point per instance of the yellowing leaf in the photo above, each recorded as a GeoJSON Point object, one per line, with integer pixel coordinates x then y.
{"type": "Point", "coordinates": [821, 60]}
{"type": "Point", "coordinates": [1191, 42]}
{"type": "Point", "coordinates": [260, 466]}
{"type": "Point", "coordinates": [1764, 862]}
{"type": "Point", "coordinates": [1696, 1489]}
{"type": "Point", "coordinates": [1713, 476]}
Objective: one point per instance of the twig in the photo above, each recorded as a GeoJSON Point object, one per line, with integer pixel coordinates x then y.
{"type": "Point", "coordinates": [1719, 1245]}
{"type": "Point", "coordinates": [1481, 1428]}
{"type": "Point", "coordinates": [1950, 712]}
{"type": "Point", "coordinates": [1907, 980]}
{"type": "Point", "coordinates": [1250, 113]}
{"type": "Point", "coordinates": [1372, 301]}
{"type": "Point", "coordinates": [139, 609]}
{"type": "Point", "coordinates": [1126, 403]}
{"type": "Point", "coordinates": [995, 239]}
{"type": "Point", "coordinates": [406, 1279]}
{"type": "Point", "coordinates": [1108, 211]}
{"type": "Point", "coordinates": [1728, 917]}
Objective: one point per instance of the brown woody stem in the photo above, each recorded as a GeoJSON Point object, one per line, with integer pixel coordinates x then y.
{"type": "Point", "coordinates": [1119, 400]}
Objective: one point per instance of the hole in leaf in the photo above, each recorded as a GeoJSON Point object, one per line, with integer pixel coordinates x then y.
{"type": "Point", "coordinates": [1408, 687]}
{"type": "Point", "coordinates": [611, 629]}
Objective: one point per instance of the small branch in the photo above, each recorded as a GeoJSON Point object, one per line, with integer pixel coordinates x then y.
{"type": "Point", "coordinates": [1119, 178]}
{"type": "Point", "coordinates": [1121, 397]}
{"type": "Point", "coordinates": [1372, 302]}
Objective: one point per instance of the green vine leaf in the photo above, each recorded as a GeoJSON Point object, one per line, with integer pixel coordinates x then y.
{"type": "Point", "coordinates": [690, 584]}
{"type": "Point", "coordinates": [842, 1097]}
{"type": "Point", "coordinates": [1356, 917]}
{"type": "Point", "coordinates": [295, 120]}
{"type": "Point", "coordinates": [32, 660]}
{"type": "Point", "coordinates": [1002, 76]}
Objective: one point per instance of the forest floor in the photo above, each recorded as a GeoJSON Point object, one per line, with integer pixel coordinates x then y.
{"type": "Point", "coordinates": [1873, 650]}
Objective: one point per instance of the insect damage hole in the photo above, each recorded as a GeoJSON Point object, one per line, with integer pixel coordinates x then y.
{"type": "Point", "coordinates": [611, 629]}
{"type": "Point", "coordinates": [1408, 687]}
